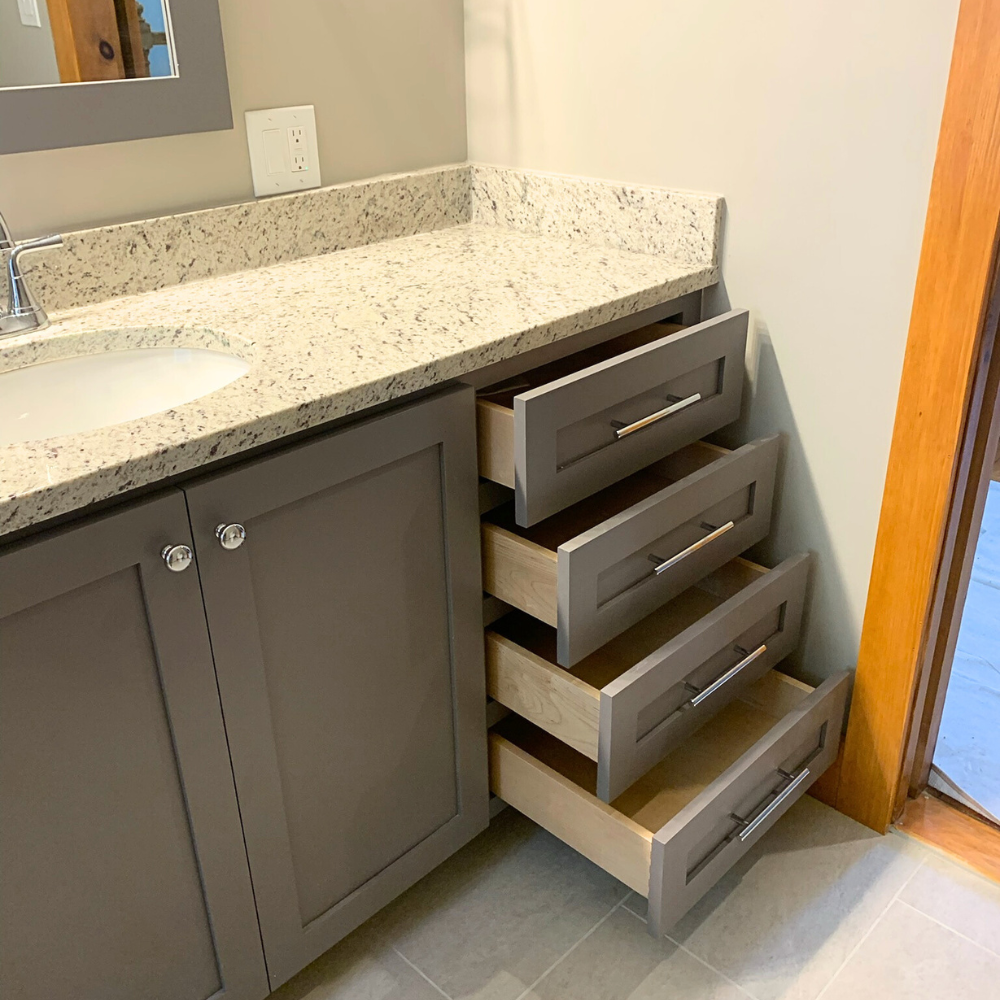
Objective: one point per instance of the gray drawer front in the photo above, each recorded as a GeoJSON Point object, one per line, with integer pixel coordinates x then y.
{"type": "Point", "coordinates": [706, 838]}
{"type": "Point", "coordinates": [608, 577]}
{"type": "Point", "coordinates": [657, 704]}
{"type": "Point", "coordinates": [565, 441]}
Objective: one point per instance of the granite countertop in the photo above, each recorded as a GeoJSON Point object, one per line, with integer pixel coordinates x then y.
{"type": "Point", "coordinates": [334, 334]}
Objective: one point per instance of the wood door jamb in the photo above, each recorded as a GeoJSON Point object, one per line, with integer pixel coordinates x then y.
{"type": "Point", "coordinates": [943, 348]}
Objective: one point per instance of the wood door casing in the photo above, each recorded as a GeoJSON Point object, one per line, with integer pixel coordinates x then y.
{"type": "Point", "coordinates": [950, 303]}
{"type": "Point", "coordinates": [124, 873]}
{"type": "Point", "coordinates": [971, 489]}
{"type": "Point", "coordinates": [347, 633]}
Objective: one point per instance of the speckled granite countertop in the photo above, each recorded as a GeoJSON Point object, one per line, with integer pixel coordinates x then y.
{"type": "Point", "coordinates": [333, 334]}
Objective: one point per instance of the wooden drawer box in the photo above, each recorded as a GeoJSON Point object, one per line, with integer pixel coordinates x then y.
{"type": "Point", "coordinates": [677, 830]}
{"type": "Point", "coordinates": [630, 703]}
{"type": "Point", "coordinates": [602, 565]}
{"type": "Point", "coordinates": [569, 428]}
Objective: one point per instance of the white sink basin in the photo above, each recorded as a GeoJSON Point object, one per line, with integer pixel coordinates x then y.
{"type": "Point", "coordinates": [96, 390]}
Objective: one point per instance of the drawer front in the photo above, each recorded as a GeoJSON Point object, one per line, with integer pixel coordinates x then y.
{"type": "Point", "coordinates": [628, 566]}
{"type": "Point", "coordinates": [574, 436]}
{"type": "Point", "coordinates": [709, 835]}
{"type": "Point", "coordinates": [652, 708]}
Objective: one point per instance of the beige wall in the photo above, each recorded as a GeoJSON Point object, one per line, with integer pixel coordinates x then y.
{"type": "Point", "coordinates": [386, 77]}
{"type": "Point", "coordinates": [27, 53]}
{"type": "Point", "coordinates": [818, 122]}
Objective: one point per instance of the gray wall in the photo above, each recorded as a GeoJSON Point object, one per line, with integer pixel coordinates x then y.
{"type": "Point", "coordinates": [818, 122]}
{"type": "Point", "coordinates": [387, 78]}
{"type": "Point", "coordinates": [27, 54]}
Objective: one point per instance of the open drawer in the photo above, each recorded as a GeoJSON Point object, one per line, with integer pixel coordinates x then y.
{"type": "Point", "coordinates": [603, 564]}
{"type": "Point", "coordinates": [630, 703]}
{"type": "Point", "coordinates": [563, 431]}
{"type": "Point", "coordinates": [677, 830]}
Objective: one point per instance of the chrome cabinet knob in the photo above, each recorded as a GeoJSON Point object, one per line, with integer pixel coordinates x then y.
{"type": "Point", "coordinates": [231, 536]}
{"type": "Point", "coordinates": [177, 557]}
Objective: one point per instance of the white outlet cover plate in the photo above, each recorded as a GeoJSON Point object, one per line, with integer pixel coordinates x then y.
{"type": "Point", "coordinates": [266, 178]}
{"type": "Point", "coordinates": [30, 17]}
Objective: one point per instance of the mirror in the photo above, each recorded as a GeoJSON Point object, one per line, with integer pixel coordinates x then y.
{"type": "Point", "coordinates": [52, 52]}
{"type": "Point", "coordinates": [50, 42]}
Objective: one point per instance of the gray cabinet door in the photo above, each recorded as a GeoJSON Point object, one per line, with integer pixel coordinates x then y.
{"type": "Point", "coordinates": [122, 867]}
{"type": "Point", "coordinates": [347, 633]}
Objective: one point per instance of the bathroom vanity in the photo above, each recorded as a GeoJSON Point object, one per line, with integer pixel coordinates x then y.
{"type": "Point", "coordinates": [243, 665]}
{"type": "Point", "coordinates": [332, 658]}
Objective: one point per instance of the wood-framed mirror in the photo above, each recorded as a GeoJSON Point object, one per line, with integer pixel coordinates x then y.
{"type": "Point", "coordinates": [81, 72]}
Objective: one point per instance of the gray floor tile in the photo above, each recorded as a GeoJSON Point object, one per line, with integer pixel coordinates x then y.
{"type": "Point", "coordinates": [491, 920]}
{"type": "Point", "coordinates": [620, 961]}
{"type": "Point", "coordinates": [361, 967]}
{"type": "Point", "coordinates": [784, 919]}
{"type": "Point", "coordinates": [962, 900]}
{"type": "Point", "coordinates": [637, 904]}
{"type": "Point", "coordinates": [908, 955]}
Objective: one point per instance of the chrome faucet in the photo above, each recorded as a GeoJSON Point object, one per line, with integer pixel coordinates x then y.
{"type": "Point", "coordinates": [23, 313]}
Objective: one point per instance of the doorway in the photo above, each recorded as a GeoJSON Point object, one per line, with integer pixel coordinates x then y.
{"type": "Point", "coordinates": [966, 761]}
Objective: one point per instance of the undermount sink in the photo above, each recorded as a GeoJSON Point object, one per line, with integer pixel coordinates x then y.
{"type": "Point", "coordinates": [49, 398]}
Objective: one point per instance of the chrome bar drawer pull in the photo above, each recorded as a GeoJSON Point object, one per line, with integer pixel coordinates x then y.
{"type": "Point", "coordinates": [728, 675]}
{"type": "Point", "coordinates": [662, 567]}
{"type": "Point", "coordinates": [681, 404]}
{"type": "Point", "coordinates": [789, 790]}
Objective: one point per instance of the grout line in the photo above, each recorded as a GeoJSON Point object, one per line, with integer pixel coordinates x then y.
{"type": "Point", "coordinates": [947, 927]}
{"type": "Point", "coordinates": [573, 948]}
{"type": "Point", "coordinates": [697, 958]}
{"type": "Point", "coordinates": [420, 972]}
{"type": "Point", "coordinates": [637, 916]}
{"type": "Point", "coordinates": [864, 937]}
{"type": "Point", "coordinates": [712, 968]}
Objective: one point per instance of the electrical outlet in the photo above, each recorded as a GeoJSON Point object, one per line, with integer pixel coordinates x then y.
{"type": "Point", "coordinates": [284, 155]}
{"type": "Point", "coordinates": [28, 9]}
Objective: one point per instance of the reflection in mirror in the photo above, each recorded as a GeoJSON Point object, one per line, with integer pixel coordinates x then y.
{"type": "Point", "coordinates": [50, 42]}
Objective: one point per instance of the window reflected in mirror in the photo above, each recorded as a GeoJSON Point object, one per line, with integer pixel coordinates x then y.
{"type": "Point", "coordinates": [51, 42]}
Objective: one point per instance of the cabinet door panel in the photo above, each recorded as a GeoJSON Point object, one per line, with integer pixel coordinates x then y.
{"type": "Point", "coordinates": [327, 680]}
{"type": "Point", "coordinates": [123, 871]}
{"type": "Point", "coordinates": [350, 664]}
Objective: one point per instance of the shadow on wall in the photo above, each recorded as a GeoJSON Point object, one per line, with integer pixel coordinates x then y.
{"type": "Point", "coordinates": [830, 631]}
{"type": "Point", "coordinates": [499, 90]}
{"type": "Point", "coordinates": [828, 622]}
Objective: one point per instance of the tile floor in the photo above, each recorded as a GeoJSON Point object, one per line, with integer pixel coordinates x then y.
{"type": "Point", "coordinates": [821, 908]}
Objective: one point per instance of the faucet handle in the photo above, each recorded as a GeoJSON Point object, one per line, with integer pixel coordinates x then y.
{"type": "Point", "coordinates": [23, 312]}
